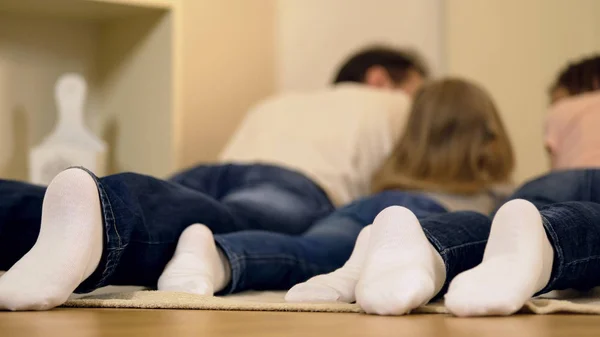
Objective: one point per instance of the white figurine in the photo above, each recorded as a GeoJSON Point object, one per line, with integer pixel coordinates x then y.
{"type": "Point", "coordinates": [71, 143]}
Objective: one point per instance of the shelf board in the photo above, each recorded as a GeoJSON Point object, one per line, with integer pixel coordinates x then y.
{"type": "Point", "coordinates": [94, 10]}
{"type": "Point", "coordinates": [162, 4]}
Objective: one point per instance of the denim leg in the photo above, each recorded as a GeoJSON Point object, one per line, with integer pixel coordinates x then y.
{"type": "Point", "coordinates": [366, 209]}
{"type": "Point", "coordinates": [207, 179]}
{"type": "Point", "coordinates": [143, 219]}
{"type": "Point", "coordinates": [574, 231]}
{"type": "Point", "coordinates": [20, 217]}
{"type": "Point", "coordinates": [268, 197]}
{"type": "Point", "coordinates": [460, 238]}
{"type": "Point", "coordinates": [271, 207]}
{"type": "Point", "coordinates": [561, 186]}
{"type": "Point", "coordinates": [139, 211]}
{"type": "Point", "coordinates": [265, 260]}
{"type": "Point", "coordinates": [262, 260]}
{"type": "Point", "coordinates": [226, 198]}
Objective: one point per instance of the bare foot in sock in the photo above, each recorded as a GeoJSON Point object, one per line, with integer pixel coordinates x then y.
{"type": "Point", "coordinates": [198, 266]}
{"type": "Point", "coordinates": [402, 270]}
{"type": "Point", "coordinates": [517, 263]}
{"type": "Point", "coordinates": [67, 251]}
{"type": "Point", "coordinates": [337, 286]}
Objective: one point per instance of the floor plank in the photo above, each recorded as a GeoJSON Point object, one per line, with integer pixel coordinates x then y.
{"type": "Point", "coordinates": [149, 323]}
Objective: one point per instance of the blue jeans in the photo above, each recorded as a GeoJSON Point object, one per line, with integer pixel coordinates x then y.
{"type": "Point", "coordinates": [569, 202]}
{"type": "Point", "coordinates": [144, 216]}
{"type": "Point", "coordinates": [263, 260]}
{"type": "Point", "coordinates": [562, 186]}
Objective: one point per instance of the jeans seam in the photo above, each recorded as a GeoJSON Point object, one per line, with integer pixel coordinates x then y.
{"type": "Point", "coordinates": [109, 210]}
{"type": "Point", "coordinates": [432, 239]}
{"type": "Point", "coordinates": [446, 250]}
{"type": "Point", "coordinates": [153, 242]}
{"type": "Point", "coordinates": [113, 252]}
{"type": "Point", "coordinates": [108, 222]}
{"type": "Point", "coordinates": [559, 252]}
{"type": "Point", "coordinates": [586, 259]}
{"type": "Point", "coordinates": [235, 263]}
{"type": "Point", "coordinates": [270, 258]}
{"type": "Point", "coordinates": [282, 260]}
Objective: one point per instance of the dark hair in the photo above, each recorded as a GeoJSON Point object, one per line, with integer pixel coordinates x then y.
{"type": "Point", "coordinates": [396, 62]}
{"type": "Point", "coordinates": [579, 77]}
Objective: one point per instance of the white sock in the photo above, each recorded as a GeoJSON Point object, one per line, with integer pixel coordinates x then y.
{"type": "Point", "coordinates": [68, 248]}
{"type": "Point", "coordinates": [517, 263]}
{"type": "Point", "coordinates": [337, 286]}
{"type": "Point", "coordinates": [402, 270]}
{"type": "Point", "coordinates": [198, 266]}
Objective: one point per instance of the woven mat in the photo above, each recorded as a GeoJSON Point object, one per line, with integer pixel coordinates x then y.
{"type": "Point", "coordinates": [273, 301]}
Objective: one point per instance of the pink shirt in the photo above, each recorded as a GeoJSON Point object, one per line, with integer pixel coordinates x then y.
{"type": "Point", "coordinates": [573, 132]}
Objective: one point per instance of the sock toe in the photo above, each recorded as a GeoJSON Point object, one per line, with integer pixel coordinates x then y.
{"type": "Point", "coordinates": [196, 267]}
{"type": "Point", "coordinates": [312, 292]}
{"type": "Point", "coordinates": [516, 264]}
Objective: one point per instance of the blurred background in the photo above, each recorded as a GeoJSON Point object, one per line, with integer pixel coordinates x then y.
{"type": "Point", "coordinates": [169, 80]}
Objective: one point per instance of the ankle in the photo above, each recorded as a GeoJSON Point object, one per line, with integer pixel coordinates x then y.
{"type": "Point", "coordinates": [222, 272]}
{"type": "Point", "coordinates": [547, 264]}
{"type": "Point", "coordinates": [439, 270]}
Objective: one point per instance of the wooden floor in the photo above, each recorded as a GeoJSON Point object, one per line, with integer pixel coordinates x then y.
{"type": "Point", "coordinates": [112, 322]}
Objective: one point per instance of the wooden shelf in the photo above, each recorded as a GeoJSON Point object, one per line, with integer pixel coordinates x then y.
{"type": "Point", "coordinates": [94, 10]}
{"type": "Point", "coordinates": [163, 4]}
{"type": "Point", "coordinates": [168, 79]}
{"type": "Point", "coordinates": [124, 49]}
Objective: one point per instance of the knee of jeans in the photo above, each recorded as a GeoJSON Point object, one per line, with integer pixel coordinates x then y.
{"type": "Point", "coordinates": [337, 225]}
{"type": "Point", "coordinates": [366, 209]}
{"type": "Point", "coordinates": [271, 197]}
{"type": "Point", "coordinates": [272, 209]}
{"type": "Point", "coordinates": [557, 187]}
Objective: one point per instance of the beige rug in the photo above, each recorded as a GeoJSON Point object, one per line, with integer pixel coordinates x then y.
{"type": "Point", "coordinates": [273, 301]}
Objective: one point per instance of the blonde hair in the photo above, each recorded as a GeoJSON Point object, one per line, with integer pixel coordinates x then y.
{"type": "Point", "coordinates": [454, 142]}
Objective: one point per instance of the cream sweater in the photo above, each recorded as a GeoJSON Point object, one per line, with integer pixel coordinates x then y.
{"type": "Point", "coordinates": [338, 136]}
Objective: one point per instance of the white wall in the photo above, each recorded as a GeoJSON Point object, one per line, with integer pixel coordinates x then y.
{"type": "Point", "coordinates": [314, 36]}
{"type": "Point", "coordinates": [228, 65]}
{"type": "Point", "coordinates": [515, 48]}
